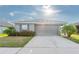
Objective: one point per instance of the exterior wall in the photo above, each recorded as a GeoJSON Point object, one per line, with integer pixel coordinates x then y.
{"type": "Point", "coordinates": [20, 27]}
{"type": "Point", "coordinates": [31, 27]}
{"type": "Point", "coordinates": [47, 30]}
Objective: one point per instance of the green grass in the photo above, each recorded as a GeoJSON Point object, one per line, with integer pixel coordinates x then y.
{"type": "Point", "coordinates": [14, 41]}
{"type": "Point", "coordinates": [75, 38]}
{"type": "Point", "coordinates": [3, 35]}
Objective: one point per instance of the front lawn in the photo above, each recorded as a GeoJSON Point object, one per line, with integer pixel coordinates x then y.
{"type": "Point", "coordinates": [75, 37]}
{"type": "Point", "coordinates": [14, 41]}
{"type": "Point", "coordinates": [3, 35]}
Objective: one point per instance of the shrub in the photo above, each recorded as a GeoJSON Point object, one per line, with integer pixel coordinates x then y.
{"type": "Point", "coordinates": [10, 31]}
{"type": "Point", "coordinates": [25, 33]}
{"type": "Point", "coordinates": [75, 37]}
{"type": "Point", "coordinates": [69, 29]}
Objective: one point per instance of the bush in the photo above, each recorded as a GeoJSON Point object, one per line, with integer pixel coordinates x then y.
{"type": "Point", "coordinates": [25, 33]}
{"type": "Point", "coordinates": [10, 31]}
{"type": "Point", "coordinates": [75, 37]}
{"type": "Point", "coordinates": [69, 29]}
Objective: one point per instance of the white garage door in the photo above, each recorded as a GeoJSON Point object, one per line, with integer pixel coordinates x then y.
{"type": "Point", "coordinates": [43, 29]}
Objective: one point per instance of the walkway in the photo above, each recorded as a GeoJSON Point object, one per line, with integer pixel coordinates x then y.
{"type": "Point", "coordinates": [50, 45]}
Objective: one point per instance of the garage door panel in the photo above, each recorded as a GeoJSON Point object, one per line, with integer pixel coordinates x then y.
{"type": "Point", "coordinates": [46, 29]}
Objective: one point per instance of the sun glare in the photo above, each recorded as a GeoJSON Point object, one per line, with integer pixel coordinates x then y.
{"type": "Point", "coordinates": [48, 10]}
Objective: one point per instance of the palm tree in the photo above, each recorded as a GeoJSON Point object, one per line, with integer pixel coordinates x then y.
{"type": "Point", "coordinates": [69, 29]}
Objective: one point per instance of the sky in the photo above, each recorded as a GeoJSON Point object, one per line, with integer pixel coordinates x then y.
{"type": "Point", "coordinates": [68, 13]}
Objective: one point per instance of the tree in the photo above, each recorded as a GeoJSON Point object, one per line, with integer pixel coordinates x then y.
{"type": "Point", "coordinates": [10, 31]}
{"type": "Point", "coordinates": [69, 29]}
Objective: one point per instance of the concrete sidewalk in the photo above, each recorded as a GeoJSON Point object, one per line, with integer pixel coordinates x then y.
{"type": "Point", "coordinates": [9, 50]}
{"type": "Point", "coordinates": [50, 45]}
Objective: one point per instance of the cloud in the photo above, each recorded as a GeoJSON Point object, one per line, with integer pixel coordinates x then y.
{"type": "Point", "coordinates": [28, 18]}
{"type": "Point", "coordinates": [12, 14]}
{"type": "Point", "coordinates": [33, 13]}
{"type": "Point", "coordinates": [26, 15]}
{"type": "Point", "coordinates": [40, 12]}
{"type": "Point", "coordinates": [3, 5]}
{"type": "Point", "coordinates": [47, 11]}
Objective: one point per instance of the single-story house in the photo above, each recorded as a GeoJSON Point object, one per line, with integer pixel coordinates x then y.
{"type": "Point", "coordinates": [4, 25]}
{"type": "Point", "coordinates": [41, 27]}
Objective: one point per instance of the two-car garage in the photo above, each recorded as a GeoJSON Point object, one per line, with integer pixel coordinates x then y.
{"type": "Point", "coordinates": [47, 29]}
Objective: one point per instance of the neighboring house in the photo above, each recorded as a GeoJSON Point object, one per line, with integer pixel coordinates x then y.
{"type": "Point", "coordinates": [4, 25]}
{"type": "Point", "coordinates": [77, 25]}
{"type": "Point", "coordinates": [42, 27]}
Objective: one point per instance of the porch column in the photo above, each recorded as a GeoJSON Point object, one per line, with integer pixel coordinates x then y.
{"type": "Point", "coordinates": [28, 28]}
{"type": "Point", "coordinates": [20, 27]}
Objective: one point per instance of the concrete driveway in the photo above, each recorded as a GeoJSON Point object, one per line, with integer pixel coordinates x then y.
{"type": "Point", "coordinates": [50, 45]}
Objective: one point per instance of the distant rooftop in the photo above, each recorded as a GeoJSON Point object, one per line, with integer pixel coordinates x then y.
{"type": "Point", "coordinates": [76, 23]}
{"type": "Point", "coordinates": [5, 24]}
